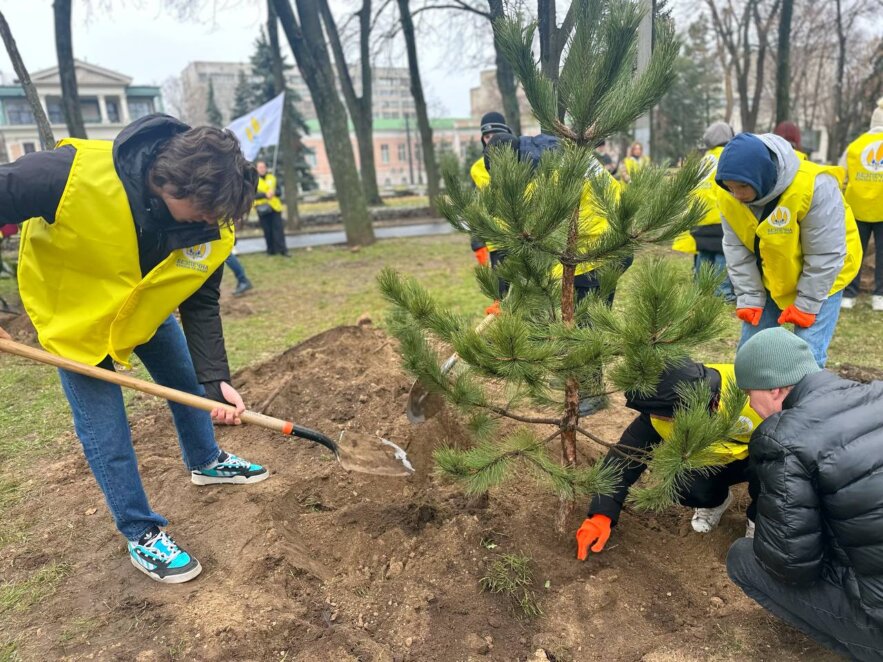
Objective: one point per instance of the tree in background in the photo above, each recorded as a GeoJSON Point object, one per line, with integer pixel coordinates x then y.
{"type": "Point", "coordinates": [243, 100]}
{"type": "Point", "coordinates": [542, 339]}
{"type": "Point", "coordinates": [428, 147]}
{"type": "Point", "coordinates": [783, 63]}
{"type": "Point", "coordinates": [67, 73]}
{"type": "Point", "coordinates": [360, 107]}
{"type": "Point", "coordinates": [212, 112]}
{"type": "Point", "coordinates": [305, 36]}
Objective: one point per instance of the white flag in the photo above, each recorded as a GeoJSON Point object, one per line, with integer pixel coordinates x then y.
{"type": "Point", "coordinates": [259, 128]}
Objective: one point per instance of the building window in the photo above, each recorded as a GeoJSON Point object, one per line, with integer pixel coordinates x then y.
{"type": "Point", "coordinates": [402, 152]}
{"type": "Point", "coordinates": [140, 106]}
{"type": "Point", "coordinates": [384, 153]}
{"type": "Point", "coordinates": [29, 148]}
{"type": "Point", "coordinates": [19, 112]}
{"type": "Point", "coordinates": [55, 110]}
{"type": "Point", "coordinates": [113, 109]}
{"type": "Point", "coordinates": [310, 158]}
{"type": "Point", "coordinates": [90, 110]}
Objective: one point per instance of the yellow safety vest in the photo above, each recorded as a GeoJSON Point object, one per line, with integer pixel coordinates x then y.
{"type": "Point", "coordinates": [591, 226]}
{"type": "Point", "coordinates": [266, 183]}
{"type": "Point", "coordinates": [728, 450]}
{"type": "Point", "coordinates": [864, 190]}
{"type": "Point", "coordinates": [80, 278]}
{"type": "Point", "coordinates": [632, 165]}
{"type": "Point", "coordinates": [801, 155]}
{"type": "Point", "coordinates": [479, 173]}
{"type": "Point", "coordinates": [707, 193]}
{"type": "Point", "coordinates": [779, 235]}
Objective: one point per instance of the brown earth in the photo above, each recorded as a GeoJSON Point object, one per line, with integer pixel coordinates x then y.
{"type": "Point", "coordinates": [318, 564]}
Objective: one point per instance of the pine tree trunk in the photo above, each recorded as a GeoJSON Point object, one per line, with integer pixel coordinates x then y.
{"type": "Point", "coordinates": [311, 54]}
{"type": "Point", "coordinates": [505, 75]}
{"type": "Point", "coordinates": [70, 98]}
{"type": "Point", "coordinates": [47, 140]}
{"type": "Point", "coordinates": [289, 138]}
{"type": "Point", "coordinates": [431, 167]}
{"type": "Point", "coordinates": [571, 386]}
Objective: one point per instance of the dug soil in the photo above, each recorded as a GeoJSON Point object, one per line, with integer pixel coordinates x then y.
{"type": "Point", "coordinates": [319, 564]}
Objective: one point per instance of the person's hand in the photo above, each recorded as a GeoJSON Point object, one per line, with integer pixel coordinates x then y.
{"type": "Point", "coordinates": [225, 416]}
{"type": "Point", "coordinates": [483, 256]}
{"type": "Point", "coordinates": [4, 335]}
{"type": "Point", "coordinates": [493, 309]}
{"type": "Point", "coordinates": [797, 317]}
{"type": "Point", "coordinates": [749, 315]}
{"type": "Point", "coordinates": [595, 529]}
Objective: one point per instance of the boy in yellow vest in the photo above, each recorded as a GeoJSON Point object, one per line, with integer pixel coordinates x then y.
{"type": "Point", "coordinates": [790, 240]}
{"type": "Point", "coordinates": [118, 236]}
{"type": "Point", "coordinates": [708, 494]}
{"type": "Point", "coordinates": [863, 162]}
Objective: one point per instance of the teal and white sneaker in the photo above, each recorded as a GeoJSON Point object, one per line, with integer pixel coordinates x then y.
{"type": "Point", "coordinates": [229, 469]}
{"type": "Point", "coordinates": [157, 556]}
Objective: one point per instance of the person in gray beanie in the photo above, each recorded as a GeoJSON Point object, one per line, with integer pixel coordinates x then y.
{"type": "Point", "coordinates": [705, 241]}
{"type": "Point", "coordinates": [816, 560]}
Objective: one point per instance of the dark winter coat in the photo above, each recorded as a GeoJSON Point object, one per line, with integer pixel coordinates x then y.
{"type": "Point", "coordinates": [820, 467]}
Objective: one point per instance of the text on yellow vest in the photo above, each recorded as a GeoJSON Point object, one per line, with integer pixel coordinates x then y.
{"type": "Point", "coordinates": [864, 164]}
{"type": "Point", "coordinates": [80, 277]}
{"type": "Point", "coordinates": [778, 235]}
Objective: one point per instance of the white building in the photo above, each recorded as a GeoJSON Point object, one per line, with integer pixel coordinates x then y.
{"type": "Point", "coordinates": [108, 101]}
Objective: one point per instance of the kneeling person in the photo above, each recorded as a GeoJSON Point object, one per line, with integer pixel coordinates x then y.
{"type": "Point", "coordinates": [708, 494]}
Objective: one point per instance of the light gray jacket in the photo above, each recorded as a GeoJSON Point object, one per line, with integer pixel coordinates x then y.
{"type": "Point", "coordinates": [822, 238]}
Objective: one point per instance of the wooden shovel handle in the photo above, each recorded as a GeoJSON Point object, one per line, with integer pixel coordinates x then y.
{"type": "Point", "coordinates": [198, 402]}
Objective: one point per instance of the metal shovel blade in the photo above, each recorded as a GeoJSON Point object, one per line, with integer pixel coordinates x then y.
{"type": "Point", "coordinates": [423, 404]}
{"type": "Point", "coordinates": [368, 454]}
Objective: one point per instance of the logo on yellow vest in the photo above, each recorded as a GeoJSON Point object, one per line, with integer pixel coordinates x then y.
{"type": "Point", "coordinates": [199, 252]}
{"type": "Point", "coordinates": [746, 425]}
{"type": "Point", "coordinates": [872, 157]}
{"type": "Point", "coordinates": [780, 217]}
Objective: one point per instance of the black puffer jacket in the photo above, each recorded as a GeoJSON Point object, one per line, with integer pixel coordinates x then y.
{"type": "Point", "coordinates": [820, 508]}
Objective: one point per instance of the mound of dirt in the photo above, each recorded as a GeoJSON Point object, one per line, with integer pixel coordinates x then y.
{"type": "Point", "coordinates": [318, 564]}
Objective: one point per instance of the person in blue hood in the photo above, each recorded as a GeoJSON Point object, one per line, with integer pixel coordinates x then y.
{"type": "Point", "coordinates": [790, 240]}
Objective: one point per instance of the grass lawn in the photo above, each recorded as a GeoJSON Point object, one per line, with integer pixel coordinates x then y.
{"type": "Point", "coordinates": [294, 299]}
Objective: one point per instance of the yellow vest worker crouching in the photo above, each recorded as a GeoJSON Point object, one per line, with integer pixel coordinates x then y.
{"type": "Point", "coordinates": [116, 237]}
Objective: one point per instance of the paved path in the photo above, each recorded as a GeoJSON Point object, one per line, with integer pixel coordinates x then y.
{"type": "Point", "coordinates": [257, 244]}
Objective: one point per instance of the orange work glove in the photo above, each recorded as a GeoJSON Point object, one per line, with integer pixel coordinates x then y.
{"type": "Point", "coordinates": [797, 317]}
{"type": "Point", "coordinates": [493, 309]}
{"type": "Point", "coordinates": [595, 529]}
{"type": "Point", "coordinates": [483, 256]}
{"type": "Point", "coordinates": [750, 315]}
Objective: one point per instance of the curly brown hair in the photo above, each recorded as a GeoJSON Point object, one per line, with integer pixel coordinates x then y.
{"type": "Point", "coordinates": [205, 165]}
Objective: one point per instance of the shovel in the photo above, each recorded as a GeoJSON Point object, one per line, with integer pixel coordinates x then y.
{"type": "Point", "coordinates": [360, 453]}
{"type": "Point", "coordinates": [424, 404]}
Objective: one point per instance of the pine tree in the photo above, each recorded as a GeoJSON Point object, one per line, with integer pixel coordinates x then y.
{"type": "Point", "coordinates": [242, 96]}
{"type": "Point", "coordinates": [212, 112]}
{"type": "Point", "coordinates": [543, 353]}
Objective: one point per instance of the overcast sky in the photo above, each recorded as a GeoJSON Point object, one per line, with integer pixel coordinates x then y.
{"type": "Point", "coordinates": [139, 40]}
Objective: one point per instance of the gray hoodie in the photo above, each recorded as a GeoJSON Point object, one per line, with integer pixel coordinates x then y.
{"type": "Point", "coordinates": [822, 238]}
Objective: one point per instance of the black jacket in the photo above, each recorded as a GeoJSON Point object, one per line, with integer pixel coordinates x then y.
{"type": "Point", "coordinates": [32, 187]}
{"type": "Point", "coordinates": [820, 467]}
{"type": "Point", "coordinates": [709, 237]}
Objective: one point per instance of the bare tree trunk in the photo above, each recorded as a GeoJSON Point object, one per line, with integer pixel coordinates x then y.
{"type": "Point", "coordinates": [360, 108]}
{"type": "Point", "coordinates": [505, 75]}
{"type": "Point", "coordinates": [783, 63]}
{"type": "Point", "coordinates": [311, 54]}
{"type": "Point", "coordinates": [837, 138]}
{"type": "Point", "coordinates": [289, 137]}
{"type": "Point", "coordinates": [420, 102]}
{"type": "Point", "coordinates": [47, 140]}
{"type": "Point", "coordinates": [70, 98]}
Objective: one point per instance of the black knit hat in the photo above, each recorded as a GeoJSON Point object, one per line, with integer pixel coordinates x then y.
{"type": "Point", "coordinates": [494, 122]}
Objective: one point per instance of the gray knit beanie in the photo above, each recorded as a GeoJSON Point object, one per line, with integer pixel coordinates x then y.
{"type": "Point", "coordinates": [717, 134]}
{"type": "Point", "coordinates": [772, 359]}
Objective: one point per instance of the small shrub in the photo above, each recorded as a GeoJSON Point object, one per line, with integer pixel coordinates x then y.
{"type": "Point", "coordinates": [511, 574]}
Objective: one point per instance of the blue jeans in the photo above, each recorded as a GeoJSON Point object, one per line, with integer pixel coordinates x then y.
{"type": "Point", "coordinates": [101, 424]}
{"type": "Point", "coordinates": [719, 262]}
{"type": "Point", "coordinates": [236, 267]}
{"type": "Point", "coordinates": [818, 336]}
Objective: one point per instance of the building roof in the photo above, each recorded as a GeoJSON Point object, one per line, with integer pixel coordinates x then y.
{"type": "Point", "coordinates": [99, 74]}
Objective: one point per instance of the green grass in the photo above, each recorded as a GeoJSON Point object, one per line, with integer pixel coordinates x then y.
{"type": "Point", "coordinates": [21, 596]}
{"type": "Point", "coordinates": [512, 576]}
{"type": "Point", "coordinates": [9, 652]}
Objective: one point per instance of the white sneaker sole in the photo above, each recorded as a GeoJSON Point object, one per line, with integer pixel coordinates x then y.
{"type": "Point", "coordinates": [171, 579]}
{"type": "Point", "coordinates": [199, 479]}
{"type": "Point", "coordinates": [707, 525]}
